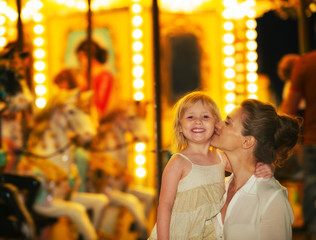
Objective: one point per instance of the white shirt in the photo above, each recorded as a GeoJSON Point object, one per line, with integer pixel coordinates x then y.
{"type": "Point", "coordinates": [258, 210]}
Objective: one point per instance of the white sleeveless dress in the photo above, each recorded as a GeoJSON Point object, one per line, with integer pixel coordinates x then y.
{"type": "Point", "coordinates": [198, 199]}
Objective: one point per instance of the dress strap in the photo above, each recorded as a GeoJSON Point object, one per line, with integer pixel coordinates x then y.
{"type": "Point", "coordinates": [221, 156]}
{"type": "Point", "coordinates": [182, 155]}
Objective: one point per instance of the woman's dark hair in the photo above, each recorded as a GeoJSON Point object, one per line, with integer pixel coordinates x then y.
{"type": "Point", "coordinates": [97, 52]}
{"type": "Point", "coordinates": [275, 134]}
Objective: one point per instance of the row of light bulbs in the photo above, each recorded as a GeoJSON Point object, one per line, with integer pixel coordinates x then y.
{"type": "Point", "coordinates": [137, 44]}
{"type": "Point", "coordinates": [239, 50]}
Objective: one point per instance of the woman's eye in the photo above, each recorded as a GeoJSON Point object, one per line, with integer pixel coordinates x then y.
{"type": "Point", "coordinates": [226, 122]}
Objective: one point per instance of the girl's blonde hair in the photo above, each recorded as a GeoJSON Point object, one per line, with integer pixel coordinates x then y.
{"type": "Point", "coordinates": [179, 141]}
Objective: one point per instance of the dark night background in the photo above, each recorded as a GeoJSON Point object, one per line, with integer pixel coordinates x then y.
{"type": "Point", "coordinates": [277, 37]}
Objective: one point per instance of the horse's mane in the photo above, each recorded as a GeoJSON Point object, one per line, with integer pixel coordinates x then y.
{"type": "Point", "coordinates": [41, 118]}
{"type": "Point", "coordinates": [112, 115]}
{"type": "Point", "coordinates": [55, 101]}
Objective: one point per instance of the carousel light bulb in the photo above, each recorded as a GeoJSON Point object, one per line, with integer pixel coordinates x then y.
{"type": "Point", "coordinates": [38, 17]}
{"type": "Point", "coordinates": [137, 46]}
{"type": "Point", "coordinates": [138, 96]}
{"type": "Point", "coordinates": [3, 41]}
{"type": "Point", "coordinates": [252, 88]}
{"type": "Point", "coordinates": [38, 41]}
{"type": "Point", "coordinates": [230, 97]}
{"type": "Point", "coordinates": [136, 8]}
{"type": "Point", "coordinates": [229, 50]}
{"type": "Point", "coordinates": [137, 21]}
{"type": "Point", "coordinates": [40, 102]}
{"type": "Point", "coordinates": [252, 56]}
{"type": "Point", "coordinates": [39, 29]}
{"type": "Point", "coordinates": [251, 24]}
{"type": "Point", "coordinates": [39, 65]}
{"type": "Point", "coordinates": [2, 20]}
{"type": "Point", "coordinates": [229, 73]}
{"type": "Point", "coordinates": [252, 66]}
{"type": "Point", "coordinates": [253, 96]}
{"type": "Point", "coordinates": [82, 5]}
{"type": "Point", "coordinates": [252, 77]}
{"type": "Point", "coordinates": [252, 45]}
{"type": "Point", "coordinates": [230, 85]}
{"type": "Point", "coordinates": [39, 53]}
{"type": "Point", "coordinates": [40, 90]}
{"type": "Point", "coordinates": [138, 58]}
{"type": "Point", "coordinates": [39, 78]}
{"type": "Point", "coordinates": [251, 34]}
{"type": "Point", "coordinates": [140, 172]}
{"type": "Point", "coordinates": [229, 61]}
{"type": "Point", "coordinates": [228, 38]}
{"type": "Point", "coordinates": [137, 34]}
{"type": "Point", "coordinates": [138, 71]}
{"type": "Point", "coordinates": [140, 159]}
{"type": "Point", "coordinates": [228, 26]}
{"type": "Point", "coordinates": [138, 83]}
{"type": "Point", "coordinates": [140, 147]}
{"type": "Point", "coordinates": [229, 107]}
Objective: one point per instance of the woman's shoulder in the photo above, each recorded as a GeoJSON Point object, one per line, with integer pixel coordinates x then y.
{"type": "Point", "coordinates": [270, 188]}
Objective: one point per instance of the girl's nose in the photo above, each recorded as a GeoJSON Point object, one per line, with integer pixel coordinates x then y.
{"type": "Point", "coordinates": [197, 120]}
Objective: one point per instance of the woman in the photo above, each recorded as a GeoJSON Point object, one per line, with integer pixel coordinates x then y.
{"type": "Point", "coordinates": [255, 208]}
{"type": "Point", "coordinates": [102, 80]}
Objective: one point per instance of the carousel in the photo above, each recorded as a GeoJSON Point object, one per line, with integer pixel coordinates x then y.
{"type": "Point", "coordinates": [87, 90]}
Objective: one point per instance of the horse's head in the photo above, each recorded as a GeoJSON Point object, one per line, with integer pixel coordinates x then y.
{"type": "Point", "coordinates": [129, 119]}
{"type": "Point", "coordinates": [64, 112]}
{"type": "Point", "coordinates": [14, 93]}
{"type": "Point", "coordinates": [80, 122]}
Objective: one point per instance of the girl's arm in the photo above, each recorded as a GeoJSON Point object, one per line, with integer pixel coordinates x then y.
{"type": "Point", "coordinates": [169, 184]}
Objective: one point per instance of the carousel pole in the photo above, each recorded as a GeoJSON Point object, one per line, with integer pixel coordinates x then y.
{"type": "Point", "coordinates": [89, 37]}
{"type": "Point", "coordinates": [19, 27]}
{"type": "Point", "coordinates": [303, 34]}
{"type": "Point", "coordinates": [156, 43]}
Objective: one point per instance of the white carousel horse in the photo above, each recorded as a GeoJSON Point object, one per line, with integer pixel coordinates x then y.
{"type": "Point", "coordinates": [50, 153]}
{"type": "Point", "coordinates": [109, 156]}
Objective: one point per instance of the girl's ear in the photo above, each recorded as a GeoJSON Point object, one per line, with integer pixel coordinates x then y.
{"type": "Point", "coordinates": [249, 141]}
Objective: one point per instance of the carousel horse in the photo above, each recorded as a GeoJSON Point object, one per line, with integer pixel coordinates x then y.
{"type": "Point", "coordinates": [16, 220]}
{"type": "Point", "coordinates": [109, 163]}
{"type": "Point", "coordinates": [50, 156]}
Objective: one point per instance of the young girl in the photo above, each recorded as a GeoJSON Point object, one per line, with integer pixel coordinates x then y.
{"type": "Point", "coordinates": [193, 180]}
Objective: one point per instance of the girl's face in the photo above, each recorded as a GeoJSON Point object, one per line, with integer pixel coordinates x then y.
{"type": "Point", "coordinates": [227, 136]}
{"type": "Point", "coordinates": [198, 123]}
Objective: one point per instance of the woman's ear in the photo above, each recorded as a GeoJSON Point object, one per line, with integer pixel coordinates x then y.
{"type": "Point", "coordinates": [249, 141]}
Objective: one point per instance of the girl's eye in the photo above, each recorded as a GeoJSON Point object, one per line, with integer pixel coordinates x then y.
{"type": "Point", "coordinates": [190, 117]}
{"type": "Point", "coordinates": [206, 116]}
{"type": "Point", "coordinates": [226, 123]}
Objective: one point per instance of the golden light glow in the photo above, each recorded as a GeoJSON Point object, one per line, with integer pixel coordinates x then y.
{"type": "Point", "coordinates": [230, 97]}
{"type": "Point", "coordinates": [138, 96]}
{"type": "Point", "coordinates": [140, 147]}
{"type": "Point", "coordinates": [252, 88]}
{"type": "Point", "coordinates": [252, 77]}
{"type": "Point", "coordinates": [230, 85]}
{"type": "Point", "coordinates": [40, 90]}
{"type": "Point", "coordinates": [138, 83]}
{"type": "Point", "coordinates": [140, 172]}
{"type": "Point", "coordinates": [229, 107]}
{"type": "Point", "coordinates": [140, 159]}
{"type": "Point", "coordinates": [40, 102]}
{"type": "Point", "coordinates": [39, 78]}
{"type": "Point", "coordinates": [229, 73]}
